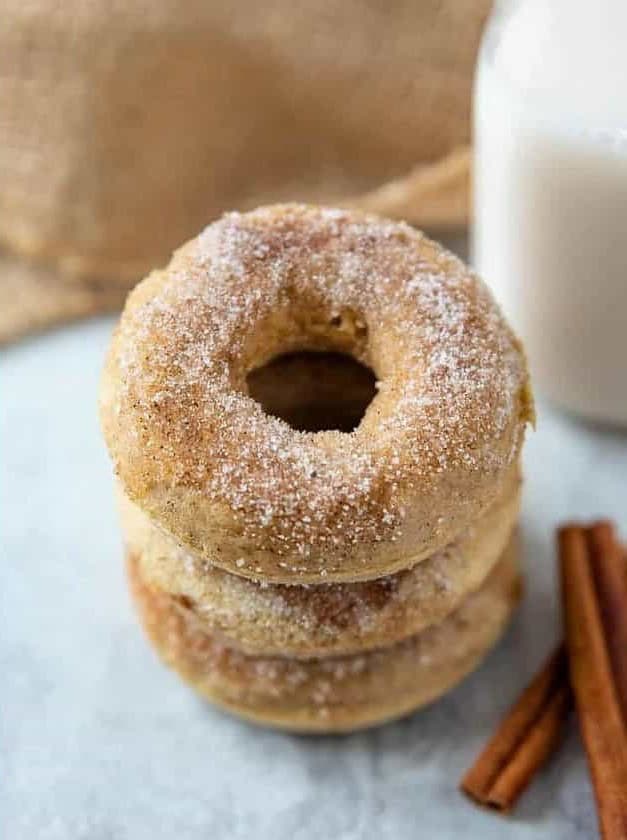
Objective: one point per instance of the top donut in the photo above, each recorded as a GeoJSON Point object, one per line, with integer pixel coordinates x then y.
{"type": "Point", "coordinates": [242, 488]}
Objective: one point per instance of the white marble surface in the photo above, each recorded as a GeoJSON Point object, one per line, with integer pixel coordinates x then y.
{"type": "Point", "coordinates": [100, 742]}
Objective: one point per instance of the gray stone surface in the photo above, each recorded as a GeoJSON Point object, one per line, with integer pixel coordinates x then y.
{"type": "Point", "coordinates": [100, 742]}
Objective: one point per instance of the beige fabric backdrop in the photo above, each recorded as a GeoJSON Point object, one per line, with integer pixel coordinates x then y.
{"type": "Point", "coordinates": [126, 126]}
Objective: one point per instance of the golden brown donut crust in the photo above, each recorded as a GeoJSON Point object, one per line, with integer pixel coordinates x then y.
{"type": "Point", "coordinates": [325, 619]}
{"type": "Point", "coordinates": [332, 694]}
{"type": "Point", "coordinates": [243, 489]}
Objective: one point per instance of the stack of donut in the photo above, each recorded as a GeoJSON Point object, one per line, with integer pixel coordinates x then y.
{"type": "Point", "coordinates": [318, 580]}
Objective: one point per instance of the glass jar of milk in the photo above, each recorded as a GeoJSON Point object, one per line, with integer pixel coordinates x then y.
{"type": "Point", "coordinates": [550, 192]}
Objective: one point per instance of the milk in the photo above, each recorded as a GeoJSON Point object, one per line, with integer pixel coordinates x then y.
{"type": "Point", "coordinates": [550, 193]}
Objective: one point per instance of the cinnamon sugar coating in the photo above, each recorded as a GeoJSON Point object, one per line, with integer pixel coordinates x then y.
{"type": "Point", "coordinates": [338, 693]}
{"type": "Point", "coordinates": [244, 490]}
{"type": "Point", "coordinates": [303, 621]}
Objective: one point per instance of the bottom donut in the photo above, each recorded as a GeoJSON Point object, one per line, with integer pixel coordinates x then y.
{"type": "Point", "coordinates": [335, 694]}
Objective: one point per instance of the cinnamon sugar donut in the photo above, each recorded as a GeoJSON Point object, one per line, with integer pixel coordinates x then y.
{"type": "Point", "coordinates": [253, 496]}
{"type": "Point", "coordinates": [332, 694]}
{"type": "Point", "coordinates": [324, 619]}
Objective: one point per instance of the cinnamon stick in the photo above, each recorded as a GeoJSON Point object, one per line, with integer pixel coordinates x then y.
{"type": "Point", "coordinates": [531, 729]}
{"type": "Point", "coordinates": [597, 700]}
{"type": "Point", "coordinates": [524, 740]}
{"type": "Point", "coordinates": [610, 579]}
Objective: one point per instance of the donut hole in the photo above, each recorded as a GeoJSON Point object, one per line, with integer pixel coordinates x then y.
{"type": "Point", "coordinates": [314, 391]}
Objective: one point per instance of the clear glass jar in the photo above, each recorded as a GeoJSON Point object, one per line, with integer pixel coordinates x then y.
{"type": "Point", "coordinates": [550, 192]}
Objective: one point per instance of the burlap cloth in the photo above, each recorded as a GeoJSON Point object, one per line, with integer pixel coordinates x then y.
{"type": "Point", "coordinates": [126, 127]}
